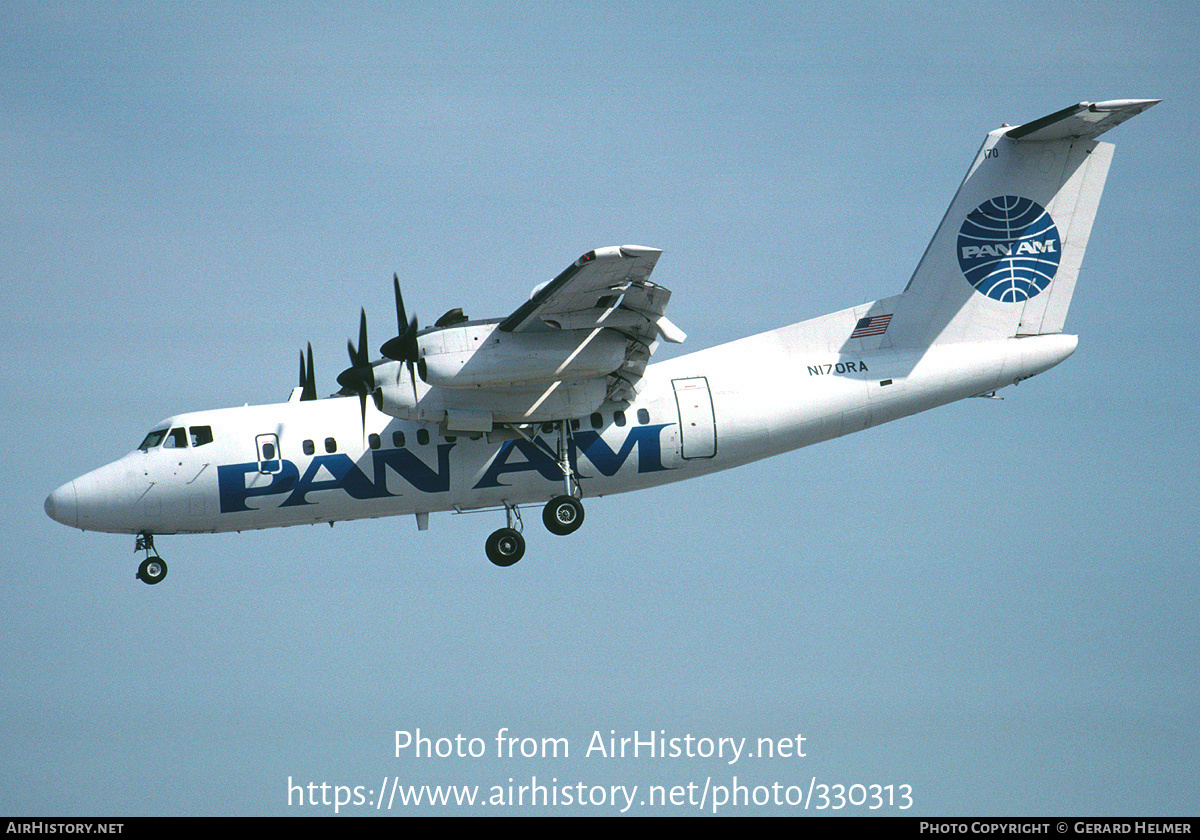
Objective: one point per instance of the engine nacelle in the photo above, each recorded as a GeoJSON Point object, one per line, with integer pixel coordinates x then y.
{"type": "Point", "coordinates": [483, 356]}
{"type": "Point", "coordinates": [477, 410]}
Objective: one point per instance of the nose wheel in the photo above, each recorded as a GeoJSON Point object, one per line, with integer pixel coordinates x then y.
{"type": "Point", "coordinates": [153, 569]}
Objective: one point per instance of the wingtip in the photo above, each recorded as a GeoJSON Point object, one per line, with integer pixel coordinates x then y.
{"type": "Point", "coordinates": [1122, 104]}
{"type": "Point", "coordinates": [639, 251]}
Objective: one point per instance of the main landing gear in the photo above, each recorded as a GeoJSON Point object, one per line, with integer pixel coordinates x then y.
{"type": "Point", "coordinates": [562, 515]}
{"type": "Point", "coordinates": [506, 545]}
{"type": "Point", "coordinates": [153, 569]}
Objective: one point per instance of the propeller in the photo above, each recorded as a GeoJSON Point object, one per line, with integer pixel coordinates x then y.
{"type": "Point", "coordinates": [308, 377]}
{"type": "Point", "coordinates": [403, 348]}
{"type": "Point", "coordinates": [359, 378]}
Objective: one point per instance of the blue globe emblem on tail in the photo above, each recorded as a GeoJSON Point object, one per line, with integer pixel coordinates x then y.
{"type": "Point", "coordinates": [1009, 248]}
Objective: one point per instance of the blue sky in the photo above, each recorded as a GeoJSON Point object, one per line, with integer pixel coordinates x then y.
{"type": "Point", "coordinates": [993, 603]}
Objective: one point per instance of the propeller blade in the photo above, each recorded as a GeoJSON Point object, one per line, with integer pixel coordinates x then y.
{"type": "Point", "coordinates": [411, 349]}
{"type": "Point", "coordinates": [360, 358]}
{"type": "Point", "coordinates": [308, 377]}
{"type": "Point", "coordinates": [402, 348]}
{"type": "Point", "coordinates": [359, 378]}
{"type": "Point", "coordinates": [401, 319]}
{"type": "Point", "coordinates": [310, 387]}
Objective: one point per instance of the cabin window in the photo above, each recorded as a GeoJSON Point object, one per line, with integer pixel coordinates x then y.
{"type": "Point", "coordinates": [373, 441]}
{"type": "Point", "coordinates": [548, 428]}
{"type": "Point", "coordinates": [268, 452]}
{"type": "Point", "coordinates": [422, 436]}
{"type": "Point", "coordinates": [309, 447]}
{"type": "Point", "coordinates": [153, 439]}
{"type": "Point", "coordinates": [397, 439]}
{"type": "Point", "coordinates": [619, 418]}
{"type": "Point", "coordinates": [643, 416]}
{"type": "Point", "coordinates": [176, 439]}
{"type": "Point", "coordinates": [597, 420]}
{"type": "Point", "coordinates": [330, 445]}
{"type": "Point", "coordinates": [201, 435]}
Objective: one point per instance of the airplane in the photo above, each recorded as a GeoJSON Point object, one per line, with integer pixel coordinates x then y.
{"type": "Point", "coordinates": [558, 401]}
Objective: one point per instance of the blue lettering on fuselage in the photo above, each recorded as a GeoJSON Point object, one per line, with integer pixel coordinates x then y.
{"type": "Point", "coordinates": [334, 472]}
{"type": "Point", "coordinates": [231, 484]}
{"type": "Point", "coordinates": [338, 471]}
{"type": "Point", "coordinates": [645, 438]}
{"type": "Point", "coordinates": [415, 471]}
{"type": "Point", "coordinates": [589, 444]}
{"type": "Point", "coordinates": [535, 458]}
{"type": "Point", "coordinates": [343, 474]}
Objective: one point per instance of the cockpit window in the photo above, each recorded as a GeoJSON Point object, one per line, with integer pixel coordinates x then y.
{"type": "Point", "coordinates": [177, 438]}
{"type": "Point", "coordinates": [153, 439]}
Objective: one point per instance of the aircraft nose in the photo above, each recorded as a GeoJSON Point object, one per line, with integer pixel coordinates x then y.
{"type": "Point", "coordinates": [62, 505]}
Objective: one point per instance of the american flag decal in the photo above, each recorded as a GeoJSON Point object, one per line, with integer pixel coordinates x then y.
{"type": "Point", "coordinates": [875, 325]}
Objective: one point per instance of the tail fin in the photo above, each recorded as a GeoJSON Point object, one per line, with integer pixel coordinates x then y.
{"type": "Point", "coordinates": [1004, 260]}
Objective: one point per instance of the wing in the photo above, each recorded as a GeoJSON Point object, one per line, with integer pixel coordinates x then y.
{"type": "Point", "coordinates": [606, 288]}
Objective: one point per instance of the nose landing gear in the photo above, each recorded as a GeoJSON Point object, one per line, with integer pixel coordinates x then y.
{"type": "Point", "coordinates": [153, 569]}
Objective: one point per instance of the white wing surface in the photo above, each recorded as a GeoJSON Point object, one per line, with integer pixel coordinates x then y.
{"type": "Point", "coordinates": [608, 288]}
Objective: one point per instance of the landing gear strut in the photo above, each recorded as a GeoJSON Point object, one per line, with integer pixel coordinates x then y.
{"type": "Point", "coordinates": [564, 514]}
{"type": "Point", "coordinates": [153, 569]}
{"type": "Point", "coordinates": [506, 545]}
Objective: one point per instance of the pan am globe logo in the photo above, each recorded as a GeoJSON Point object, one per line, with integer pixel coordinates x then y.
{"type": "Point", "coordinates": [1009, 248]}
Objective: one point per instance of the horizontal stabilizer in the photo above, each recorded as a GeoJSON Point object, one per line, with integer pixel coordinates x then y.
{"type": "Point", "coordinates": [1087, 119]}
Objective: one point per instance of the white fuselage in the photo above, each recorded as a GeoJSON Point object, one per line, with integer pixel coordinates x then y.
{"type": "Point", "coordinates": [313, 461]}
